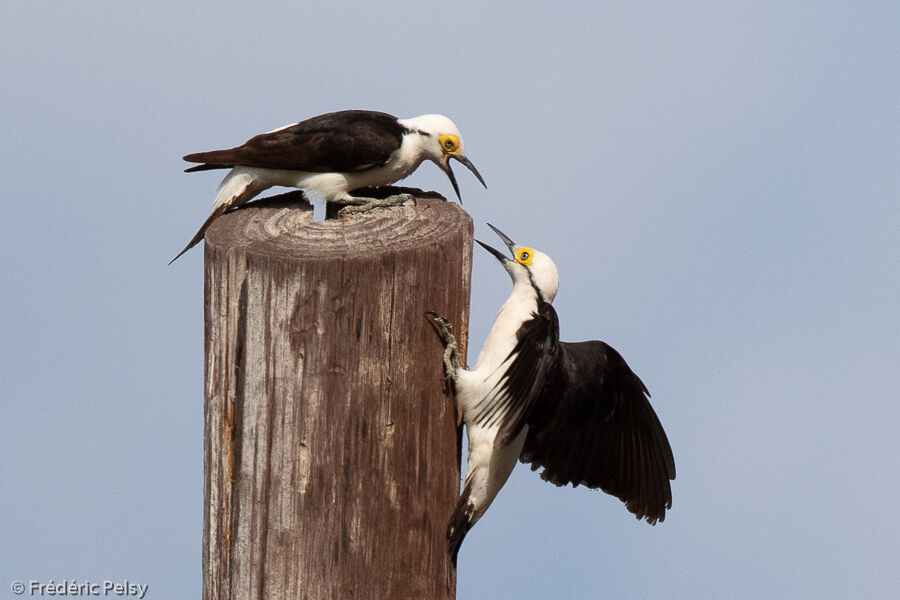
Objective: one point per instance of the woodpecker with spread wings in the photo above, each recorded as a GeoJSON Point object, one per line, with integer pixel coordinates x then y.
{"type": "Point", "coordinates": [576, 410]}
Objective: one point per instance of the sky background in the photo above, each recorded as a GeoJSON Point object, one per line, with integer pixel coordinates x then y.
{"type": "Point", "coordinates": [718, 183]}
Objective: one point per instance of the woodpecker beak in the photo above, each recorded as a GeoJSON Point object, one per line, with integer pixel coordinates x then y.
{"type": "Point", "coordinates": [509, 243]}
{"type": "Point", "coordinates": [468, 163]}
{"type": "Point", "coordinates": [497, 254]}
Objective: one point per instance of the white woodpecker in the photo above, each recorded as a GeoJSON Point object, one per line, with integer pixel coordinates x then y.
{"type": "Point", "coordinates": [330, 156]}
{"type": "Point", "coordinates": [575, 409]}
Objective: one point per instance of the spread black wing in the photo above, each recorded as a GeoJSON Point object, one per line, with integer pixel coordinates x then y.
{"type": "Point", "coordinates": [592, 424]}
{"type": "Point", "coordinates": [511, 401]}
{"type": "Point", "coordinates": [345, 141]}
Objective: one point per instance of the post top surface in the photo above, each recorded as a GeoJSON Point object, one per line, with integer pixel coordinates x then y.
{"type": "Point", "coordinates": [283, 225]}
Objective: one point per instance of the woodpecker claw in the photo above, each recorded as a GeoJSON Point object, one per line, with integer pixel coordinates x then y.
{"type": "Point", "coordinates": [359, 204]}
{"type": "Point", "coordinates": [444, 330]}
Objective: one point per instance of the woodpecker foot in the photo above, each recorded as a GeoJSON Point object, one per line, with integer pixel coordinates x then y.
{"type": "Point", "coordinates": [358, 204]}
{"type": "Point", "coordinates": [451, 349]}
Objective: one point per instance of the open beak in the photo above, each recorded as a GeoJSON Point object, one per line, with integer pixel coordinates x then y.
{"type": "Point", "coordinates": [499, 255]}
{"type": "Point", "coordinates": [509, 243]}
{"type": "Point", "coordinates": [468, 163]}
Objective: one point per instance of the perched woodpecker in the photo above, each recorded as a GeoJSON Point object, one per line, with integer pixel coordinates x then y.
{"type": "Point", "coordinates": [575, 409]}
{"type": "Point", "coordinates": [331, 155]}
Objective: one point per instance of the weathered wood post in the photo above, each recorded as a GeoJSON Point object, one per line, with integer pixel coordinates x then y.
{"type": "Point", "coordinates": [331, 454]}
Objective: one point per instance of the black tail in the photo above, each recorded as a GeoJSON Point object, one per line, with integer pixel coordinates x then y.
{"type": "Point", "coordinates": [215, 159]}
{"type": "Point", "coordinates": [460, 523]}
{"type": "Point", "coordinates": [199, 235]}
{"type": "Point", "coordinates": [206, 168]}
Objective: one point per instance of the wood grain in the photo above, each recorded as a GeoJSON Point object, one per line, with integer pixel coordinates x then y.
{"type": "Point", "coordinates": [331, 454]}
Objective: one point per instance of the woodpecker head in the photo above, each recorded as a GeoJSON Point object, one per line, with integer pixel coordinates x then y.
{"type": "Point", "coordinates": [441, 142]}
{"type": "Point", "coordinates": [527, 267]}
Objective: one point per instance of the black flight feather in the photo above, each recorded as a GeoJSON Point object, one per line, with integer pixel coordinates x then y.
{"type": "Point", "coordinates": [513, 398]}
{"type": "Point", "coordinates": [344, 141]}
{"type": "Point", "coordinates": [592, 425]}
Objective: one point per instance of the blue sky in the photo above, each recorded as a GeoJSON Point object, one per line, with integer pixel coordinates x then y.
{"type": "Point", "coordinates": [718, 183]}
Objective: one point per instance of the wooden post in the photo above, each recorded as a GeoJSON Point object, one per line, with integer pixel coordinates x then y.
{"type": "Point", "coordinates": [331, 453]}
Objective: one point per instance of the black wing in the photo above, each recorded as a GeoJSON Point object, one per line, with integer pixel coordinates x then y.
{"type": "Point", "coordinates": [593, 425]}
{"type": "Point", "coordinates": [512, 400]}
{"type": "Point", "coordinates": [345, 141]}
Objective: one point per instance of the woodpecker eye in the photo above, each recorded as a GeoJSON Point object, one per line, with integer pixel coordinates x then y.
{"type": "Point", "coordinates": [450, 143]}
{"type": "Point", "coordinates": [524, 256]}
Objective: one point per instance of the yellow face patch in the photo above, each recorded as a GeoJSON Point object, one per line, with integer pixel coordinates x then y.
{"type": "Point", "coordinates": [449, 143]}
{"type": "Point", "coordinates": [524, 256]}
